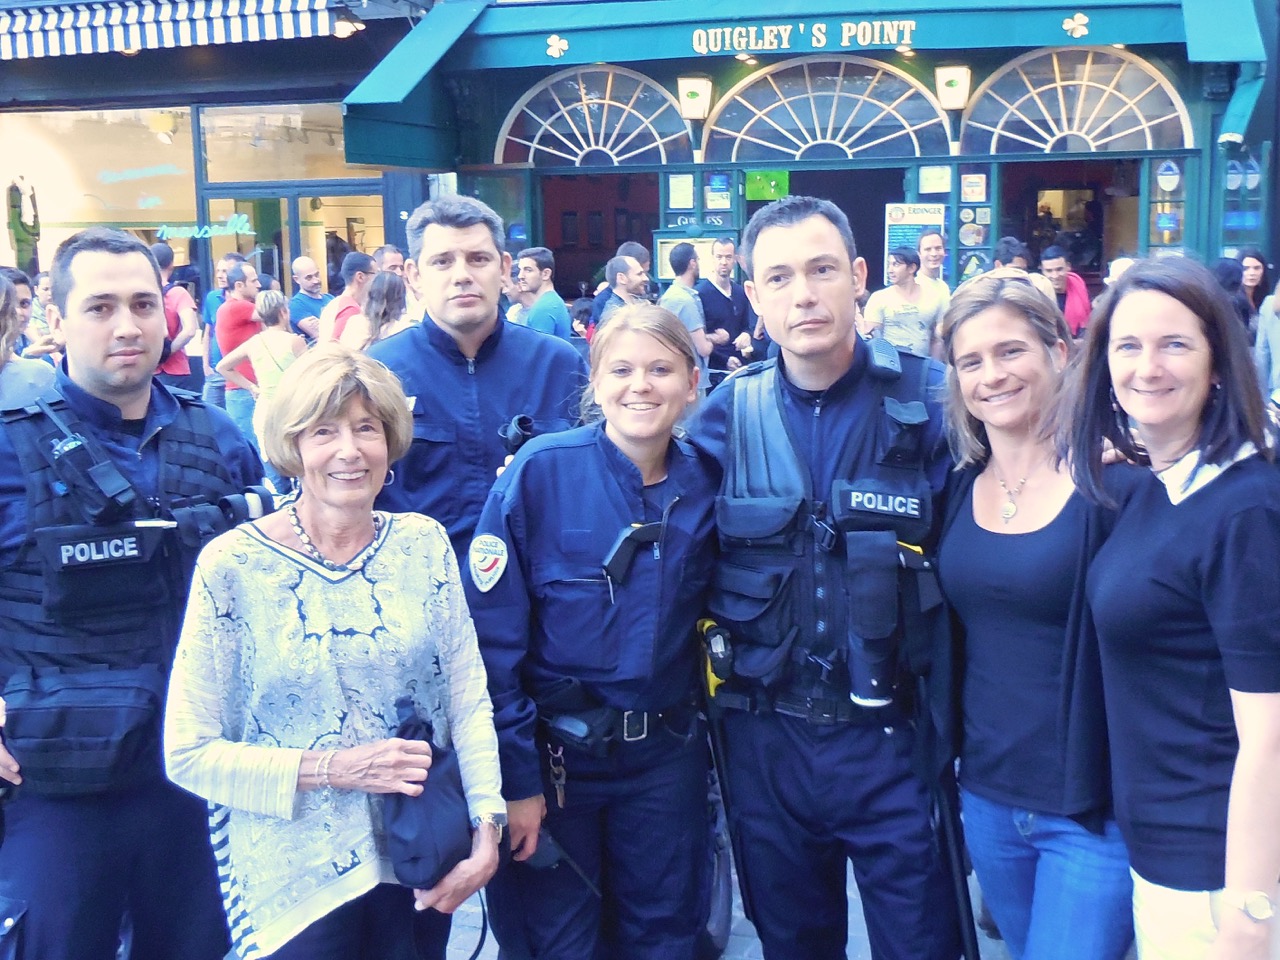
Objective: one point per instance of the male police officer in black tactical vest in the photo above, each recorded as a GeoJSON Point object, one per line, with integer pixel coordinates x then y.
{"type": "Point", "coordinates": [107, 490]}
{"type": "Point", "coordinates": [832, 455]}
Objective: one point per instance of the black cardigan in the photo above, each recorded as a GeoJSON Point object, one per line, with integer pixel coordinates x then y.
{"type": "Point", "coordinates": [1082, 723]}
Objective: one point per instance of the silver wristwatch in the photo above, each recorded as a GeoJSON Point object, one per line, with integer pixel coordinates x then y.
{"type": "Point", "coordinates": [1254, 904]}
{"type": "Point", "coordinates": [497, 820]}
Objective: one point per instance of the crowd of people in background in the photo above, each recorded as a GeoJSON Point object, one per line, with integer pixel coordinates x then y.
{"type": "Point", "coordinates": [1003, 542]}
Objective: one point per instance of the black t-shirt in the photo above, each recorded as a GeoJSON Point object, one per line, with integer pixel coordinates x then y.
{"type": "Point", "coordinates": [1186, 604]}
{"type": "Point", "coordinates": [1013, 593]}
{"type": "Point", "coordinates": [732, 313]}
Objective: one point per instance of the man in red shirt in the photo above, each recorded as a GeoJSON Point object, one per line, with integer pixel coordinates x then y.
{"type": "Point", "coordinates": [234, 325]}
{"type": "Point", "coordinates": [182, 322]}
{"type": "Point", "coordinates": [358, 271]}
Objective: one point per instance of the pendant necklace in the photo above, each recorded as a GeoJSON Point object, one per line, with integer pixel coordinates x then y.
{"type": "Point", "coordinates": [355, 563]}
{"type": "Point", "coordinates": [1009, 509]}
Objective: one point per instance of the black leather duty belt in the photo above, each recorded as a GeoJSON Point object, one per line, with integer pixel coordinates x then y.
{"type": "Point", "coordinates": [830, 711]}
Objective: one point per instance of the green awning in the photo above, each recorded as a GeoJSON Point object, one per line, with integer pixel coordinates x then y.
{"type": "Point", "coordinates": [1222, 31]}
{"type": "Point", "coordinates": [1235, 122]}
{"type": "Point", "coordinates": [400, 114]}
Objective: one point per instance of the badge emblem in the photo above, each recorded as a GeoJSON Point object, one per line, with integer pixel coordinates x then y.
{"type": "Point", "coordinates": [488, 560]}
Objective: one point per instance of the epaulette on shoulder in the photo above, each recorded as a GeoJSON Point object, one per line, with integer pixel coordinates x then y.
{"type": "Point", "coordinates": [754, 369]}
{"type": "Point", "coordinates": [186, 397]}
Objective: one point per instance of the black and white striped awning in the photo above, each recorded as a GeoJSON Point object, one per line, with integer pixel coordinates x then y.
{"type": "Point", "coordinates": [129, 25]}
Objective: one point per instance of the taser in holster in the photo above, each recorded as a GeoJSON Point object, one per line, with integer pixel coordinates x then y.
{"type": "Point", "coordinates": [718, 647]}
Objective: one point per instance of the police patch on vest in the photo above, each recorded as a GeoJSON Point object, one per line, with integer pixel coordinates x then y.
{"type": "Point", "coordinates": [98, 551]}
{"type": "Point", "coordinates": [488, 561]}
{"type": "Point", "coordinates": [884, 504]}
{"type": "Point", "coordinates": [84, 545]}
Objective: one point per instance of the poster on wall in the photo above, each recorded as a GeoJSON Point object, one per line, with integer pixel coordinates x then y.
{"type": "Point", "coordinates": [905, 222]}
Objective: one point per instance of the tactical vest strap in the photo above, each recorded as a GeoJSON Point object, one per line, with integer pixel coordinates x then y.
{"type": "Point", "coordinates": [189, 454]}
{"type": "Point", "coordinates": [763, 468]}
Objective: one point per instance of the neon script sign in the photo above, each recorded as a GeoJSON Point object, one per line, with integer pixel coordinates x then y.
{"type": "Point", "coordinates": [237, 223]}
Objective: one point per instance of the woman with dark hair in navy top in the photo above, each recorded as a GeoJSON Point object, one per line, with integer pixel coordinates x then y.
{"type": "Point", "coordinates": [1016, 543]}
{"type": "Point", "coordinates": [1184, 596]}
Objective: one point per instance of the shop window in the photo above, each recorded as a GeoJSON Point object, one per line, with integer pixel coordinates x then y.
{"type": "Point", "coordinates": [277, 142]}
{"type": "Point", "coordinates": [67, 170]}
{"type": "Point", "coordinates": [598, 116]}
{"type": "Point", "coordinates": [1075, 100]}
{"type": "Point", "coordinates": [826, 108]}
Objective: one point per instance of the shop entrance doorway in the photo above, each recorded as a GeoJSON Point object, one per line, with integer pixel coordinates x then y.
{"type": "Point", "coordinates": [862, 195]}
{"type": "Point", "coordinates": [586, 216]}
{"type": "Point", "coordinates": [1089, 208]}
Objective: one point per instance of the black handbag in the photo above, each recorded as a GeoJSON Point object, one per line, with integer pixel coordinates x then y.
{"type": "Point", "coordinates": [430, 834]}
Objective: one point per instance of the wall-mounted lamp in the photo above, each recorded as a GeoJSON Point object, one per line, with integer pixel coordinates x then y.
{"type": "Point", "coordinates": [952, 84]}
{"type": "Point", "coordinates": [347, 24]}
{"type": "Point", "coordinates": [695, 96]}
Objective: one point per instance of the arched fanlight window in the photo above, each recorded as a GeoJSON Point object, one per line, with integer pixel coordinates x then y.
{"type": "Point", "coordinates": [826, 108]}
{"type": "Point", "coordinates": [1075, 100]}
{"type": "Point", "coordinates": [595, 116]}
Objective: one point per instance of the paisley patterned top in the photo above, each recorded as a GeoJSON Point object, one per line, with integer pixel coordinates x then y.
{"type": "Point", "coordinates": [279, 655]}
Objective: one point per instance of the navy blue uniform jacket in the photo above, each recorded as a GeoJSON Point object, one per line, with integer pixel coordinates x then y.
{"type": "Point", "coordinates": [558, 509]}
{"type": "Point", "coordinates": [458, 407]}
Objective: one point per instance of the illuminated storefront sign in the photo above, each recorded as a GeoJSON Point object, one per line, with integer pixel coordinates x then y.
{"type": "Point", "coordinates": [819, 35]}
{"type": "Point", "coordinates": [237, 223]}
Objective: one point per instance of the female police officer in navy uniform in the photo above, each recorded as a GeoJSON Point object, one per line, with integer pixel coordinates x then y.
{"type": "Point", "coordinates": [587, 576]}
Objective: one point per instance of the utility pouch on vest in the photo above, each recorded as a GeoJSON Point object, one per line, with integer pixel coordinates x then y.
{"type": "Point", "coordinates": [761, 520]}
{"type": "Point", "coordinates": [900, 440]}
{"type": "Point", "coordinates": [872, 572]}
{"type": "Point", "coordinates": [762, 597]}
{"type": "Point", "coordinates": [90, 571]}
{"type": "Point", "coordinates": [81, 732]}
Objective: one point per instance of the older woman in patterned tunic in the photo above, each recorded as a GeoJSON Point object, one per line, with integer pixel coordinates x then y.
{"type": "Point", "coordinates": [303, 629]}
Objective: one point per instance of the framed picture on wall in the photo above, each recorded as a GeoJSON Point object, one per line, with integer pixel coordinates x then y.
{"type": "Point", "coordinates": [595, 228]}
{"type": "Point", "coordinates": [569, 228]}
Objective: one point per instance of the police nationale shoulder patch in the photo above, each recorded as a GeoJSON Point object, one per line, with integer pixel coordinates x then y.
{"type": "Point", "coordinates": [488, 559]}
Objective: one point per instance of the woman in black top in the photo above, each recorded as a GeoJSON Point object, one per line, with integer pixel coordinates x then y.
{"type": "Point", "coordinates": [1016, 542]}
{"type": "Point", "coordinates": [1184, 595]}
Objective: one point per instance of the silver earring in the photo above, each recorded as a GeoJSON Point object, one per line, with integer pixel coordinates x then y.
{"type": "Point", "coordinates": [391, 478]}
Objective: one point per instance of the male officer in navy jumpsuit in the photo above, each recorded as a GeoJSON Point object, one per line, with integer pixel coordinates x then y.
{"type": "Point", "coordinates": [468, 374]}
{"type": "Point", "coordinates": [831, 458]}
{"type": "Point", "coordinates": [91, 608]}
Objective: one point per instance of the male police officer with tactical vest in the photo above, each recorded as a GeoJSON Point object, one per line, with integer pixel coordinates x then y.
{"type": "Point", "coordinates": [832, 455]}
{"type": "Point", "coordinates": [108, 488]}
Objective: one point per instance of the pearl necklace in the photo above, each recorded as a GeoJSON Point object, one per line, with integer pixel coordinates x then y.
{"type": "Point", "coordinates": [355, 563]}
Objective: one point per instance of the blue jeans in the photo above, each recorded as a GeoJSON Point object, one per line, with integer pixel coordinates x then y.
{"type": "Point", "coordinates": [1057, 891]}
{"type": "Point", "coordinates": [240, 404]}
{"type": "Point", "coordinates": [214, 390]}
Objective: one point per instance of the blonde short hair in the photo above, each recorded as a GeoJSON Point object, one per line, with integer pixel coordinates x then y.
{"type": "Point", "coordinates": [268, 306]}
{"type": "Point", "coordinates": [320, 385]}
